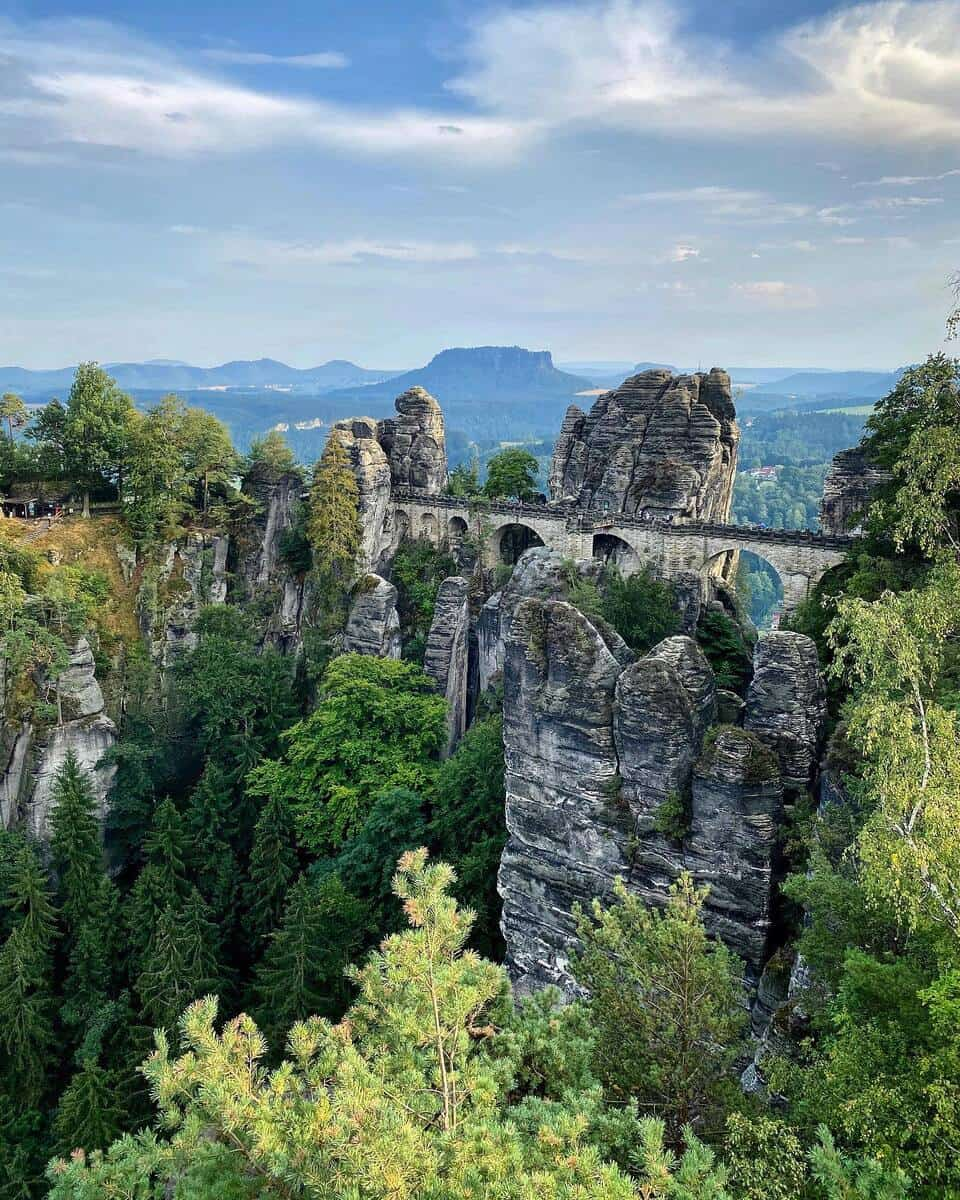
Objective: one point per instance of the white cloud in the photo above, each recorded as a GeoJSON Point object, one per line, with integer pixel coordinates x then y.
{"type": "Point", "coordinates": [187, 230]}
{"type": "Point", "coordinates": [877, 72]}
{"type": "Point", "coordinates": [850, 241]}
{"type": "Point", "coordinates": [837, 215]}
{"type": "Point", "coordinates": [881, 73]}
{"type": "Point", "coordinates": [904, 201]}
{"type": "Point", "coordinates": [270, 254]}
{"type": "Point", "coordinates": [87, 85]}
{"type": "Point", "coordinates": [775, 293]}
{"type": "Point", "coordinates": [726, 203]}
{"type": "Point", "coordinates": [907, 180]}
{"type": "Point", "coordinates": [681, 253]}
{"type": "Point", "coordinates": [325, 60]}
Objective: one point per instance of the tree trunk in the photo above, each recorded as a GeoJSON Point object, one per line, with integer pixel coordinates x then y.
{"type": "Point", "coordinates": [86, 502]}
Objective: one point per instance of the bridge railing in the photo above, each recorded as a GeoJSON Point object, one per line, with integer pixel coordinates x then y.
{"type": "Point", "coordinates": [587, 522]}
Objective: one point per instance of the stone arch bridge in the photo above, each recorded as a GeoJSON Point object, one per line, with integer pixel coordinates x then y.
{"type": "Point", "coordinates": [503, 529]}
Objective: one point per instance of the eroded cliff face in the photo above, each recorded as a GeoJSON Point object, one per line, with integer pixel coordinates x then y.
{"type": "Point", "coordinates": [847, 489]}
{"type": "Point", "coordinates": [446, 658]}
{"type": "Point", "coordinates": [596, 750]}
{"type": "Point", "coordinates": [372, 470]}
{"type": "Point", "coordinates": [373, 624]}
{"type": "Point", "coordinates": [35, 752]}
{"type": "Point", "coordinates": [660, 444]}
{"type": "Point", "coordinates": [414, 442]}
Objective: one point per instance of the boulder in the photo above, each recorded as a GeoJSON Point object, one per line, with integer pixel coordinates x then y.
{"type": "Point", "coordinates": [373, 626]}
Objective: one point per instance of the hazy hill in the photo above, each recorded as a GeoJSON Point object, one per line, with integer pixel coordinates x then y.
{"type": "Point", "coordinates": [170, 376]}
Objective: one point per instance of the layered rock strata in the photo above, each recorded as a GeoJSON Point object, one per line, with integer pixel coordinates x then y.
{"type": "Point", "coordinates": [34, 754]}
{"type": "Point", "coordinates": [373, 626]}
{"type": "Point", "coordinates": [415, 443]}
{"type": "Point", "coordinates": [786, 704]}
{"type": "Point", "coordinates": [446, 657]}
{"type": "Point", "coordinates": [658, 445]}
{"type": "Point", "coordinates": [597, 752]}
{"type": "Point", "coordinates": [847, 489]}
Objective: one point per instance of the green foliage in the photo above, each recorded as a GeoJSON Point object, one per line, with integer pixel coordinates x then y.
{"type": "Point", "coordinates": [378, 724]}
{"type": "Point", "coordinates": [273, 864]}
{"type": "Point", "coordinates": [333, 522]}
{"type": "Point", "coordinates": [765, 1158]}
{"type": "Point", "coordinates": [96, 429]}
{"type": "Point", "coordinates": [180, 963]}
{"type": "Point", "coordinates": [88, 1115]}
{"type": "Point", "coordinates": [302, 971]}
{"type": "Point", "coordinates": [722, 642]}
{"type": "Point", "coordinates": [672, 817]}
{"type": "Point", "coordinates": [665, 1002]}
{"type": "Point", "coordinates": [418, 569]}
{"type": "Point", "coordinates": [13, 412]}
{"type": "Point", "coordinates": [270, 453]}
{"type": "Point", "coordinates": [468, 829]}
{"type": "Point", "coordinates": [640, 607]}
{"type": "Point", "coordinates": [464, 480]}
{"type": "Point", "coordinates": [513, 473]}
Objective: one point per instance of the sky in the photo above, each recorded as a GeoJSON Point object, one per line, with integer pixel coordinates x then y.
{"type": "Point", "coordinates": [762, 182]}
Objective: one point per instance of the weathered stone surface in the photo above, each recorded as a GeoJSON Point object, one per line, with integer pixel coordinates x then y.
{"type": "Point", "coordinates": [847, 489]}
{"type": "Point", "coordinates": [594, 749]}
{"type": "Point", "coordinates": [660, 444]}
{"type": "Point", "coordinates": [541, 573]}
{"type": "Point", "coordinates": [80, 694]}
{"type": "Point", "coordinates": [34, 754]}
{"type": "Point", "coordinates": [177, 581]}
{"type": "Point", "coordinates": [373, 626]}
{"type": "Point", "coordinates": [276, 495]}
{"type": "Point", "coordinates": [786, 703]}
{"type": "Point", "coordinates": [561, 773]}
{"type": "Point", "coordinates": [445, 658]}
{"type": "Point", "coordinates": [737, 808]}
{"type": "Point", "coordinates": [414, 442]}
{"type": "Point", "coordinates": [372, 470]}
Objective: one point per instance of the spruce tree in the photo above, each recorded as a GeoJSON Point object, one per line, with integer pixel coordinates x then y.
{"type": "Point", "coordinates": [26, 1002]}
{"type": "Point", "coordinates": [75, 844]}
{"type": "Point", "coordinates": [302, 971]}
{"type": "Point", "coordinates": [273, 863]}
{"type": "Point", "coordinates": [162, 883]}
{"type": "Point", "coordinates": [181, 963]}
{"type": "Point", "coordinates": [88, 1115]}
{"type": "Point", "coordinates": [214, 867]}
{"type": "Point", "coordinates": [333, 523]}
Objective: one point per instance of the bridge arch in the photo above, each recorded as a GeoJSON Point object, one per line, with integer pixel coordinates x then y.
{"type": "Point", "coordinates": [511, 539]}
{"type": "Point", "coordinates": [456, 530]}
{"type": "Point", "coordinates": [615, 551]}
{"type": "Point", "coordinates": [759, 586]}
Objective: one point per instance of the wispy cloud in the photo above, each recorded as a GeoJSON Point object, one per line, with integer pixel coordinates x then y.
{"type": "Point", "coordinates": [681, 253]}
{"type": "Point", "coordinates": [775, 293]}
{"type": "Point", "coordinates": [727, 203]}
{"type": "Point", "coordinates": [904, 201]}
{"type": "Point", "coordinates": [907, 180]}
{"type": "Point", "coordinates": [325, 60]}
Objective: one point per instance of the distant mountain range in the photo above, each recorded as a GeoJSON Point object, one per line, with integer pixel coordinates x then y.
{"type": "Point", "coordinates": [172, 376]}
{"type": "Point", "coordinates": [488, 393]}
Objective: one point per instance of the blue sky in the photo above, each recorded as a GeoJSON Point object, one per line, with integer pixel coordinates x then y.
{"type": "Point", "coordinates": [745, 183]}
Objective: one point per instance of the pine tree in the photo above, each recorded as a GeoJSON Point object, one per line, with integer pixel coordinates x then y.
{"type": "Point", "coordinates": [88, 1115]}
{"type": "Point", "coordinates": [273, 863]}
{"type": "Point", "coordinates": [333, 523]}
{"type": "Point", "coordinates": [302, 971]}
{"type": "Point", "coordinates": [75, 844]}
{"type": "Point", "coordinates": [26, 1003]}
{"type": "Point", "coordinates": [162, 883]}
{"type": "Point", "coordinates": [214, 867]}
{"type": "Point", "coordinates": [181, 964]}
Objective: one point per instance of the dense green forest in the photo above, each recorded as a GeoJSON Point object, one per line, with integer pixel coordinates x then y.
{"type": "Point", "coordinates": [282, 978]}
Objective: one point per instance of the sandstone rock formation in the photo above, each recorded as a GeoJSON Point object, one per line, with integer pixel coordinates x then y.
{"type": "Point", "coordinates": [446, 657]}
{"type": "Point", "coordinates": [373, 626]}
{"type": "Point", "coordinates": [660, 444]}
{"type": "Point", "coordinates": [414, 442]}
{"type": "Point", "coordinates": [275, 495]}
{"type": "Point", "coordinates": [786, 703]}
{"type": "Point", "coordinates": [847, 488]}
{"type": "Point", "coordinates": [372, 470]}
{"type": "Point", "coordinates": [176, 582]}
{"type": "Point", "coordinates": [35, 753]}
{"type": "Point", "coordinates": [598, 751]}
